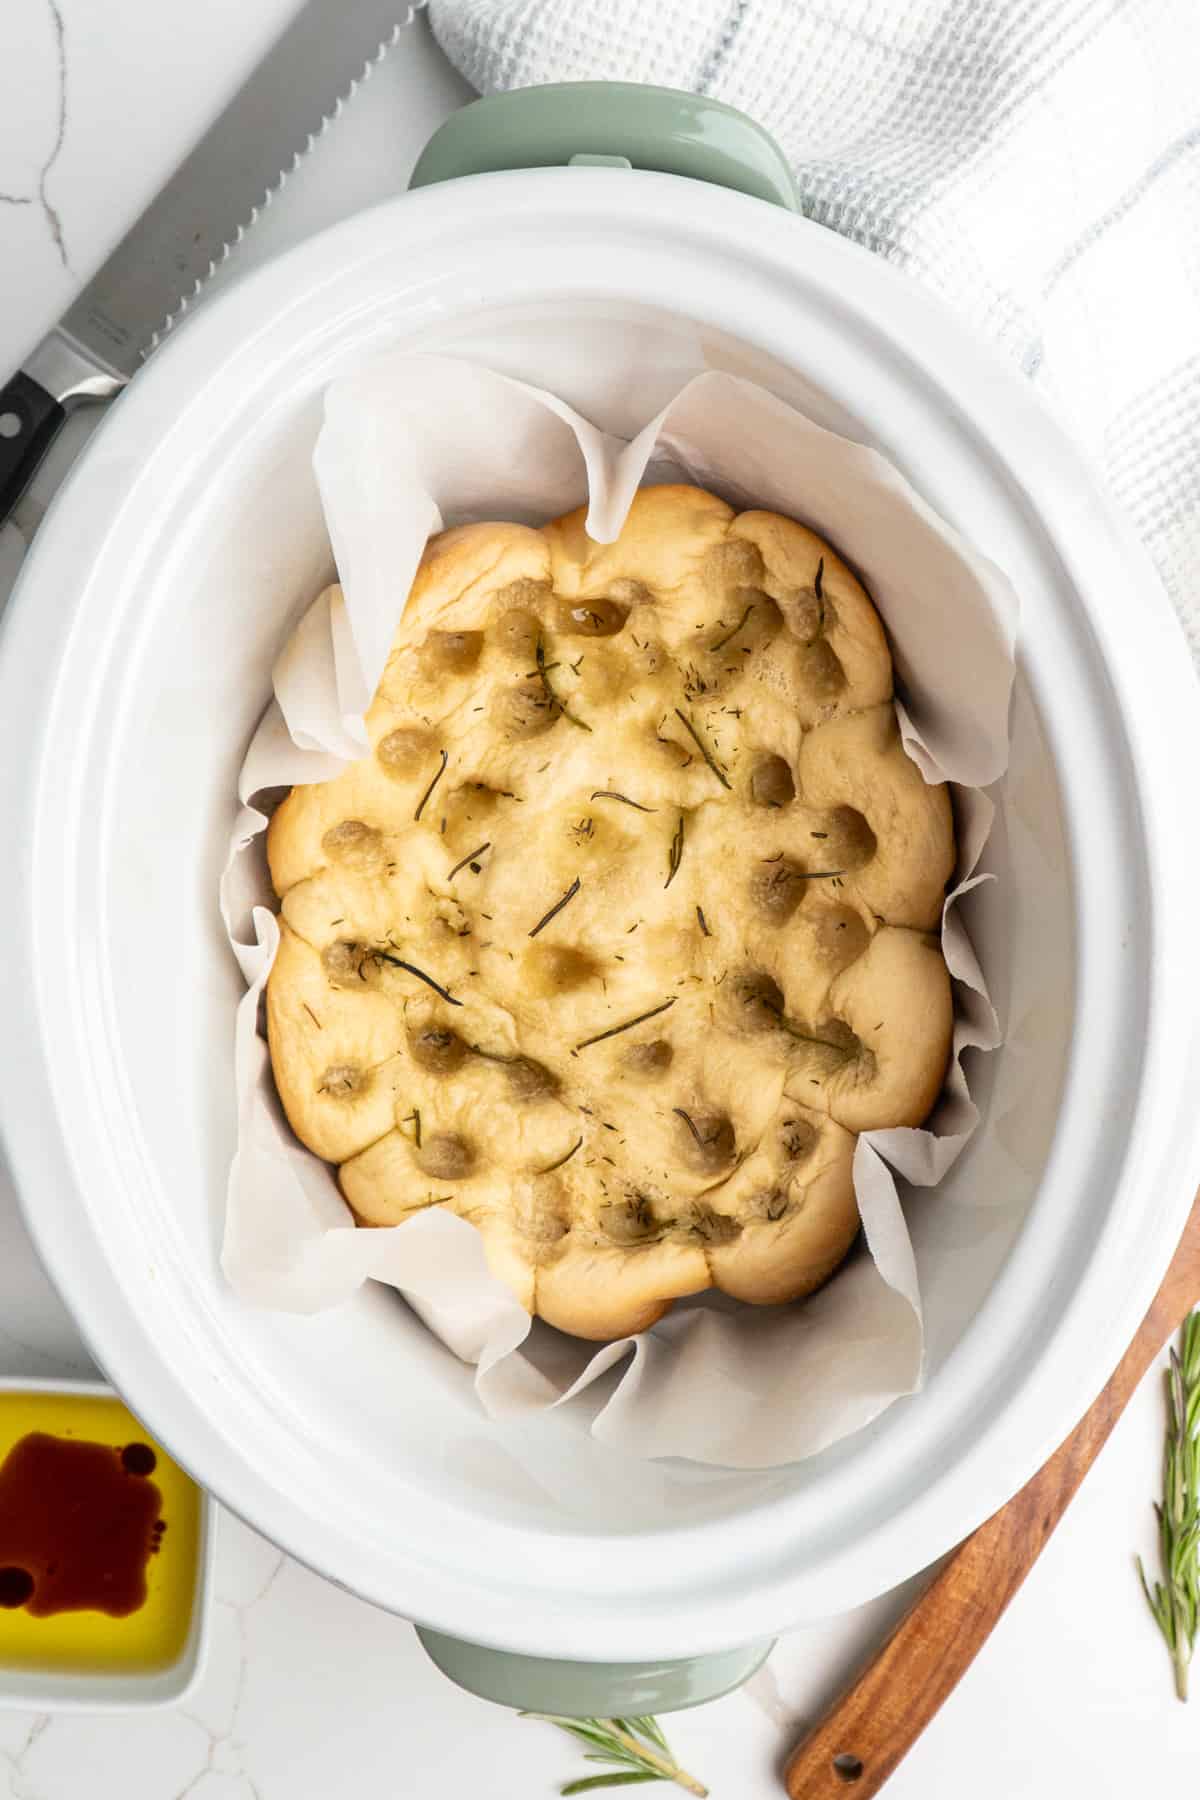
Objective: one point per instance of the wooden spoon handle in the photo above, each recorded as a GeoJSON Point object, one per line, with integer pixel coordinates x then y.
{"type": "Point", "coordinates": [855, 1747]}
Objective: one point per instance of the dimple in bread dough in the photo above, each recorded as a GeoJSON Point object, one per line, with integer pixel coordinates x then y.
{"type": "Point", "coordinates": [629, 923]}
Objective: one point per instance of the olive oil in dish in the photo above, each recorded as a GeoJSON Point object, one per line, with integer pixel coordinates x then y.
{"type": "Point", "coordinates": [99, 1538]}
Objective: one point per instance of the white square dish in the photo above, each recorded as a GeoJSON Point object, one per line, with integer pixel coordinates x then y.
{"type": "Point", "coordinates": [76, 1680]}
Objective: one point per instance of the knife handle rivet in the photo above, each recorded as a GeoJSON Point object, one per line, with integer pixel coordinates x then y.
{"type": "Point", "coordinates": [10, 424]}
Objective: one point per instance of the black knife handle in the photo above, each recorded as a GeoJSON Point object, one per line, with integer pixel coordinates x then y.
{"type": "Point", "coordinates": [29, 421]}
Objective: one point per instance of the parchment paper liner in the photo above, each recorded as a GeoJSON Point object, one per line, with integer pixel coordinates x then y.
{"type": "Point", "coordinates": [413, 443]}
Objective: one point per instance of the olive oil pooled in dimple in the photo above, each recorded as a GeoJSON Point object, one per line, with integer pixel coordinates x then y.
{"type": "Point", "coordinates": [99, 1536]}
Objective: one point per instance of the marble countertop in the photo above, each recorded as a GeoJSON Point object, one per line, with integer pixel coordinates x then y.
{"type": "Point", "coordinates": [309, 1693]}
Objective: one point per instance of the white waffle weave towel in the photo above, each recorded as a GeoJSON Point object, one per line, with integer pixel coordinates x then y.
{"type": "Point", "coordinates": [1037, 162]}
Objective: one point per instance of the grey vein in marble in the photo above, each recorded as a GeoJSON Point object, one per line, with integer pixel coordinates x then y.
{"type": "Point", "coordinates": [48, 207]}
{"type": "Point", "coordinates": [42, 197]}
{"type": "Point", "coordinates": [16, 1762]}
{"type": "Point", "coordinates": [227, 1739]}
{"type": "Point", "coordinates": [225, 1749]}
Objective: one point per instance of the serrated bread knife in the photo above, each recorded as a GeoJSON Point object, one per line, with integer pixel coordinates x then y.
{"type": "Point", "coordinates": [207, 206]}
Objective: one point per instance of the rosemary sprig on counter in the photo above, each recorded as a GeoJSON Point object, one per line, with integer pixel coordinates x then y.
{"type": "Point", "coordinates": [635, 1748]}
{"type": "Point", "coordinates": [1175, 1601]}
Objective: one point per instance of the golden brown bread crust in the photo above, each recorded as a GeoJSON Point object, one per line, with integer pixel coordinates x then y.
{"type": "Point", "coordinates": [658, 781]}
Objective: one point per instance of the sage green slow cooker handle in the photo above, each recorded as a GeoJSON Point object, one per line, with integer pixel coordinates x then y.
{"type": "Point", "coordinates": [591, 1690]}
{"type": "Point", "coordinates": [613, 122]}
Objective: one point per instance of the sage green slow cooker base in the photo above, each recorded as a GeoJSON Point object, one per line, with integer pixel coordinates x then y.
{"type": "Point", "coordinates": [587, 1690]}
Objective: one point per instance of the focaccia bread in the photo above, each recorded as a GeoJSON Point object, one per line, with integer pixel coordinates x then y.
{"type": "Point", "coordinates": [629, 923]}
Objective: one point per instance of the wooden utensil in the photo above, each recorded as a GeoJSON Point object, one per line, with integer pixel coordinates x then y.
{"type": "Point", "coordinates": [851, 1752]}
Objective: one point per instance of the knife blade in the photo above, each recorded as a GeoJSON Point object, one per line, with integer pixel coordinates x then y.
{"type": "Point", "coordinates": [205, 208]}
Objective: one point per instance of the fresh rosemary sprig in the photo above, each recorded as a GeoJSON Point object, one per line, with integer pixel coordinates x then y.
{"type": "Point", "coordinates": [1175, 1602]}
{"type": "Point", "coordinates": [635, 1748]}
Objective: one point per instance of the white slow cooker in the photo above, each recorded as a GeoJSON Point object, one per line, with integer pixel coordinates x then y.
{"type": "Point", "coordinates": [135, 658]}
